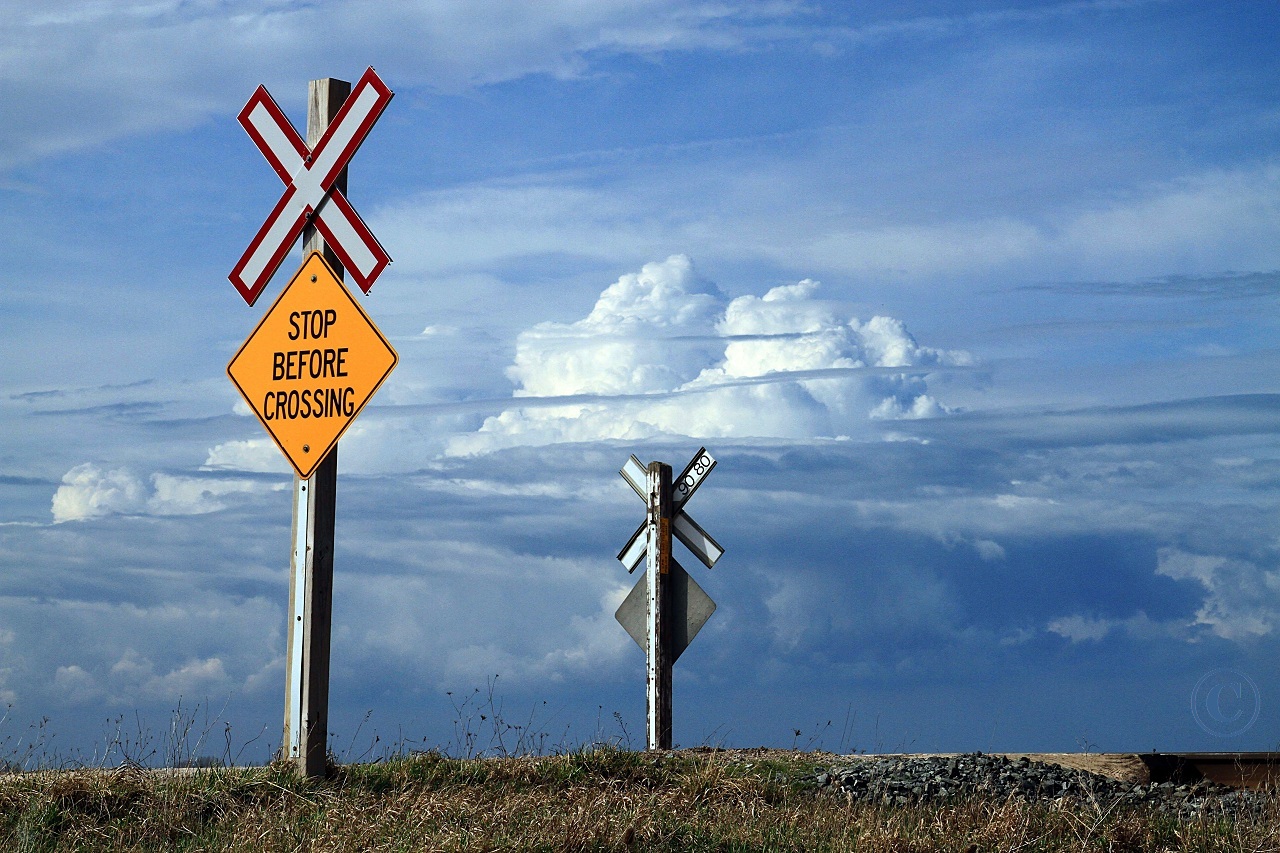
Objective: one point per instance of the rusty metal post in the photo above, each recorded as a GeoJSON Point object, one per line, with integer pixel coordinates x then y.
{"type": "Point", "coordinates": [658, 607]}
{"type": "Point", "coordinates": [306, 715]}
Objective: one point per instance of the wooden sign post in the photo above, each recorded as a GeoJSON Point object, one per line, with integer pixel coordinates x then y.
{"type": "Point", "coordinates": [313, 361]}
{"type": "Point", "coordinates": [666, 608]}
{"type": "Point", "coordinates": [306, 718]}
{"type": "Point", "coordinates": [658, 608]}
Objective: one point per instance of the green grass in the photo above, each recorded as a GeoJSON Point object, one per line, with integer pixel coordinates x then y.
{"type": "Point", "coordinates": [588, 800]}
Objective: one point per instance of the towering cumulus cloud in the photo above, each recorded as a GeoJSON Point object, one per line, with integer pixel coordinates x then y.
{"type": "Point", "coordinates": [665, 352]}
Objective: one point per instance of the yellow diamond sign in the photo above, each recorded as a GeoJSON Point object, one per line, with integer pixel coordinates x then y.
{"type": "Point", "coordinates": [311, 364]}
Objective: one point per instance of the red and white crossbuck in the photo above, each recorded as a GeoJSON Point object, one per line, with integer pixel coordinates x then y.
{"type": "Point", "coordinates": [311, 195]}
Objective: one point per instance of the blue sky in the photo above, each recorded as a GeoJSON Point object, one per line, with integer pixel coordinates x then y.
{"type": "Point", "coordinates": [973, 302]}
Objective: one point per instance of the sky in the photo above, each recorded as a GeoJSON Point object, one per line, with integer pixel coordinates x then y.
{"type": "Point", "coordinates": [973, 302]}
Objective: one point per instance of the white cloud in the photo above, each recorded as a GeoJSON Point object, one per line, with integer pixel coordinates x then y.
{"type": "Point", "coordinates": [71, 82]}
{"type": "Point", "coordinates": [1140, 626]}
{"type": "Point", "coordinates": [192, 495]}
{"type": "Point", "coordinates": [1200, 223]}
{"type": "Point", "coordinates": [1080, 628]}
{"type": "Point", "coordinates": [8, 659]}
{"type": "Point", "coordinates": [135, 652]}
{"type": "Point", "coordinates": [1243, 599]}
{"type": "Point", "coordinates": [706, 365]}
{"type": "Point", "coordinates": [475, 228]}
{"type": "Point", "coordinates": [258, 455]}
{"type": "Point", "coordinates": [988, 550]}
{"type": "Point", "coordinates": [88, 491]}
{"type": "Point", "coordinates": [135, 676]}
{"type": "Point", "coordinates": [76, 685]}
{"type": "Point", "coordinates": [619, 348]}
{"type": "Point", "coordinates": [972, 246]}
{"type": "Point", "coordinates": [1203, 222]}
{"type": "Point", "coordinates": [1191, 223]}
{"type": "Point", "coordinates": [978, 519]}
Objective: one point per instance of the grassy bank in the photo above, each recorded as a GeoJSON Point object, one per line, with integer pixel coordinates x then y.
{"type": "Point", "coordinates": [601, 800]}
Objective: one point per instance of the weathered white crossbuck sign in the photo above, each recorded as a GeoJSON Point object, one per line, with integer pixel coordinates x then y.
{"type": "Point", "coordinates": [683, 526]}
{"type": "Point", "coordinates": [312, 196]}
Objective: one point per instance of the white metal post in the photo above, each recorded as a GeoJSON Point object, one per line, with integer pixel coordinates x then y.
{"type": "Point", "coordinates": [302, 532]}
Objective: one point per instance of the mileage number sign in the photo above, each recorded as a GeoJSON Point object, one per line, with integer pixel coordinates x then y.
{"type": "Point", "coordinates": [695, 472]}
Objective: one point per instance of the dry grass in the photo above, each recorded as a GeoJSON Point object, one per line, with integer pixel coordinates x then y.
{"type": "Point", "coordinates": [601, 800]}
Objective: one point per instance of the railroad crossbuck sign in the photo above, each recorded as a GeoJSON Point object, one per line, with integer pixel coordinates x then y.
{"type": "Point", "coordinates": [691, 607]}
{"type": "Point", "coordinates": [310, 366]}
{"type": "Point", "coordinates": [685, 528]}
{"type": "Point", "coordinates": [310, 196]}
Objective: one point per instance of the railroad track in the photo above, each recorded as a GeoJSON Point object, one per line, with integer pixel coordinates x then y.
{"type": "Point", "coordinates": [1237, 769]}
{"type": "Point", "coordinates": [1253, 770]}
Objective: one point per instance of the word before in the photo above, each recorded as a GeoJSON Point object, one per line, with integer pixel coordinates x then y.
{"type": "Point", "coordinates": [309, 364]}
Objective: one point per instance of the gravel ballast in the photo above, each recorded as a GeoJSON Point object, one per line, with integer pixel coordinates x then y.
{"type": "Point", "coordinates": [901, 780]}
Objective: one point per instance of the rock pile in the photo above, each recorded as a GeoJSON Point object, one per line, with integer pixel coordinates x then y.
{"type": "Point", "coordinates": [921, 779]}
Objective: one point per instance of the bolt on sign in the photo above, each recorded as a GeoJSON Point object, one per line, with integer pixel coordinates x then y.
{"type": "Point", "coordinates": [311, 365]}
